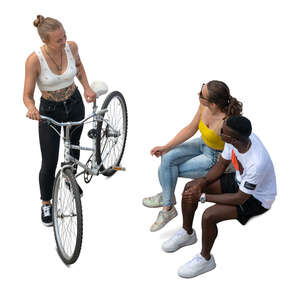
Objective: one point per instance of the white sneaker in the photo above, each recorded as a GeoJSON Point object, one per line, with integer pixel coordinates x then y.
{"type": "Point", "coordinates": [163, 218]}
{"type": "Point", "coordinates": [180, 239]}
{"type": "Point", "coordinates": [197, 266]}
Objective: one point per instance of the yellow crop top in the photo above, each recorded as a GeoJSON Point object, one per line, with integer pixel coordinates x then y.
{"type": "Point", "coordinates": [209, 136]}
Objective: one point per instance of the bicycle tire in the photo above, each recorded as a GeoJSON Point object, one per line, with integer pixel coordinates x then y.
{"type": "Point", "coordinates": [103, 157]}
{"type": "Point", "coordinates": [63, 214]}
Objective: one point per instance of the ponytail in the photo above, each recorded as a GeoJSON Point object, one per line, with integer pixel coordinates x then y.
{"type": "Point", "coordinates": [234, 107]}
{"type": "Point", "coordinates": [219, 94]}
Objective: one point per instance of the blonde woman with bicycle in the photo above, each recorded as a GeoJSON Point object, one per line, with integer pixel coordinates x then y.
{"type": "Point", "coordinates": [53, 68]}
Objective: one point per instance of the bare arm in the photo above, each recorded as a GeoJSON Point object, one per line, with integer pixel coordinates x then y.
{"type": "Point", "coordinates": [183, 135]}
{"type": "Point", "coordinates": [194, 189]}
{"type": "Point", "coordinates": [216, 171]}
{"type": "Point", "coordinates": [187, 132]}
{"type": "Point", "coordinates": [228, 198]}
{"type": "Point", "coordinates": [81, 75]}
{"type": "Point", "coordinates": [32, 68]}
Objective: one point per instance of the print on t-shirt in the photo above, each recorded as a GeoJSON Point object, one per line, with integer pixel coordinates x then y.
{"type": "Point", "coordinates": [249, 185]}
{"type": "Point", "coordinates": [236, 163]}
{"type": "Point", "coordinates": [254, 170]}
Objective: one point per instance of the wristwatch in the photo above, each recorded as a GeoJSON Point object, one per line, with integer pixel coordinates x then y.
{"type": "Point", "coordinates": [203, 198]}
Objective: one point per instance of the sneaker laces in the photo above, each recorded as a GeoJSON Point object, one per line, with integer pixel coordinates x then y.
{"type": "Point", "coordinates": [179, 233]}
{"type": "Point", "coordinates": [46, 210]}
{"type": "Point", "coordinates": [197, 258]}
{"type": "Point", "coordinates": [164, 214]}
{"type": "Point", "coordinates": [161, 217]}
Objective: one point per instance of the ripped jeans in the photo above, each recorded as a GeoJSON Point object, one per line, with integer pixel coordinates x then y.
{"type": "Point", "coordinates": [191, 159]}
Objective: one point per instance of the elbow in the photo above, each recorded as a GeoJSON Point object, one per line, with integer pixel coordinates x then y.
{"type": "Point", "coordinates": [220, 166]}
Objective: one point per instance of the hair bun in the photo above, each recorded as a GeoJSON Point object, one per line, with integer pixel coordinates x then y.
{"type": "Point", "coordinates": [39, 20]}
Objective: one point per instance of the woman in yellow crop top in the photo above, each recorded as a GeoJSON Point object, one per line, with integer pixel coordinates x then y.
{"type": "Point", "coordinates": [192, 159]}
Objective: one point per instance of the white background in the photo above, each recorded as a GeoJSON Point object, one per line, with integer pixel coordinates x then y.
{"type": "Point", "coordinates": [157, 53]}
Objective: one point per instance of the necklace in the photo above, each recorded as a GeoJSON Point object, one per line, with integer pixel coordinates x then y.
{"type": "Point", "coordinates": [59, 67]}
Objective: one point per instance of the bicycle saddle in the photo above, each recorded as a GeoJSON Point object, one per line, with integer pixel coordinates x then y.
{"type": "Point", "coordinates": [99, 87]}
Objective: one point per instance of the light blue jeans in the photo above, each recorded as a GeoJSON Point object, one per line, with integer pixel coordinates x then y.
{"type": "Point", "coordinates": [191, 159]}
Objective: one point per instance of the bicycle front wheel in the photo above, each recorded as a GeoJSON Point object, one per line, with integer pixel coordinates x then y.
{"type": "Point", "coordinates": [67, 216]}
{"type": "Point", "coordinates": [112, 133]}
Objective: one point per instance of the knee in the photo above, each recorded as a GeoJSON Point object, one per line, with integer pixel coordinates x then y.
{"type": "Point", "coordinates": [166, 159]}
{"type": "Point", "coordinates": [48, 169]}
{"type": "Point", "coordinates": [208, 216]}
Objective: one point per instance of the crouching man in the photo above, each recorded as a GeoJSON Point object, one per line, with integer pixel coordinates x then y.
{"type": "Point", "coordinates": [248, 192]}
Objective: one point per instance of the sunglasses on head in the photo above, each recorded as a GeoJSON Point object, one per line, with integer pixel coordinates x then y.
{"type": "Point", "coordinates": [201, 95]}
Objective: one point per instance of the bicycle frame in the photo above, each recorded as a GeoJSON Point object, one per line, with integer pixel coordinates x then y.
{"type": "Point", "coordinates": [68, 159]}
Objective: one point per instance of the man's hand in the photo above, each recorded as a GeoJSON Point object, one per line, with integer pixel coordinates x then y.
{"type": "Point", "coordinates": [193, 190]}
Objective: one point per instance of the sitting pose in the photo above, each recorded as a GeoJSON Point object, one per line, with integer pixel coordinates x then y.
{"type": "Point", "coordinates": [194, 158]}
{"type": "Point", "coordinates": [53, 68]}
{"type": "Point", "coordinates": [248, 192]}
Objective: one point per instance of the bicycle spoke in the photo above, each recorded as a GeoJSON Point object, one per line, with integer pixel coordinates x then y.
{"type": "Point", "coordinates": [66, 218]}
{"type": "Point", "coordinates": [114, 127]}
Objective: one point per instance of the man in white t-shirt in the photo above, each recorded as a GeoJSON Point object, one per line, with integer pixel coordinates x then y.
{"type": "Point", "coordinates": [248, 192]}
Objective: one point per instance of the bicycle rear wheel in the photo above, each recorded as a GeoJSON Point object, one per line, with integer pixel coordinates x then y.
{"type": "Point", "coordinates": [112, 133]}
{"type": "Point", "coordinates": [67, 216]}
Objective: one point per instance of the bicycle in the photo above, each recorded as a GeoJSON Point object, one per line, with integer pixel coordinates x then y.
{"type": "Point", "coordinates": [108, 136]}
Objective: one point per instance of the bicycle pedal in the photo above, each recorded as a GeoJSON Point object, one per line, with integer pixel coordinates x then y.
{"type": "Point", "coordinates": [118, 168]}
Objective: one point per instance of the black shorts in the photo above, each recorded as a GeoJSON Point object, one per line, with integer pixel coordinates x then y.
{"type": "Point", "coordinates": [250, 208]}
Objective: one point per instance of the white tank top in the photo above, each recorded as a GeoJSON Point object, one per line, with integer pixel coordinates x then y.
{"type": "Point", "coordinates": [48, 81]}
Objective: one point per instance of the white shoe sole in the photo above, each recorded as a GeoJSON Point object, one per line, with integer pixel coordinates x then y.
{"type": "Point", "coordinates": [148, 206]}
{"type": "Point", "coordinates": [164, 224]}
{"type": "Point", "coordinates": [190, 242]}
{"type": "Point", "coordinates": [157, 206]}
{"type": "Point", "coordinates": [206, 270]}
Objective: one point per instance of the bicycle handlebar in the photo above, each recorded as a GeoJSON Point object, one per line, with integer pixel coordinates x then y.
{"type": "Point", "coordinates": [72, 123]}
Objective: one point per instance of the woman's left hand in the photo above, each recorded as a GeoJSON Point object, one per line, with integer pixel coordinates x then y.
{"type": "Point", "coordinates": [90, 95]}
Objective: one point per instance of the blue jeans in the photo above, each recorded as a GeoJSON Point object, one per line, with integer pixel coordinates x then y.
{"type": "Point", "coordinates": [192, 159]}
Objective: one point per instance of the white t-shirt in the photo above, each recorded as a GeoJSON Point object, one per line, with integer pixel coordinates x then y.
{"type": "Point", "coordinates": [254, 171]}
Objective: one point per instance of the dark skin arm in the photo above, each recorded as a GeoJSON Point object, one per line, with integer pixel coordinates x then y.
{"type": "Point", "coordinates": [196, 187]}
{"type": "Point", "coordinates": [228, 198]}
